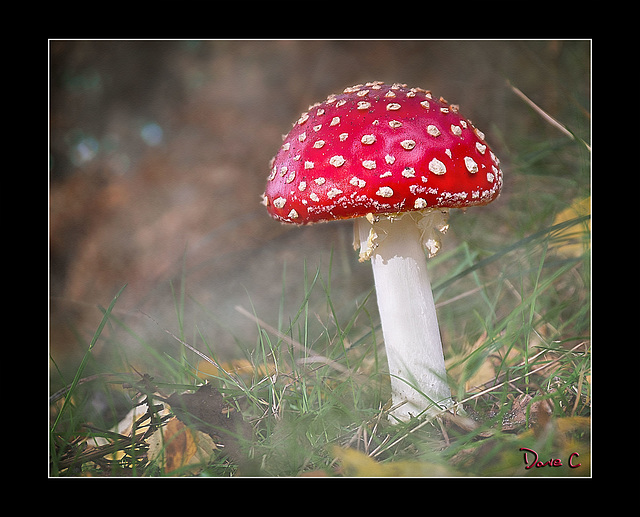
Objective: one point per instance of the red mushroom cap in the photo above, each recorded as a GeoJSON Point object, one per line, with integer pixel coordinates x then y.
{"type": "Point", "coordinates": [380, 148]}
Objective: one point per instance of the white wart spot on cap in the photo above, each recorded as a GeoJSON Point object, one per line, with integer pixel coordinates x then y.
{"type": "Point", "coordinates": [471, 165]}
{"type": "Point", "coordinates": [437, 167]}
{"type": "Point", "coordinates": [385, 192]}
{"type": "Point", "coordinates": [337, 160]}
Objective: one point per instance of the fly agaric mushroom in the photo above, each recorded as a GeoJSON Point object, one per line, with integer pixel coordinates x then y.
{"type": "Point", "coordinates": [396, 160]}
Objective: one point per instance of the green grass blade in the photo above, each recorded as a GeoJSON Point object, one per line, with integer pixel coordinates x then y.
{"type": "Point", "coordinates": [507, 249]}
{"type": "Point", "coordinates": [85, 358]}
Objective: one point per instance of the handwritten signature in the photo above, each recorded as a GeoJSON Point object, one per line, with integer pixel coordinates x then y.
{"type": "Point", "coordinates": [551, 462]}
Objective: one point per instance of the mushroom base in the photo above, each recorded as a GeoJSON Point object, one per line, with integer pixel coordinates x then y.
{"type": "Point", "coordinates": [407, 310]}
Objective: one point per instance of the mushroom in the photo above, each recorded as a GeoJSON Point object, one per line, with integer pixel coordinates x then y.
{"type": "Point", "coordinates": [395, 159]}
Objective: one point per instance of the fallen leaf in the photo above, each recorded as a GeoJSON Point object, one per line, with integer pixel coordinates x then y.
{"type": "Point", "coordinates": [573, 241]}
{"type": "Point", "coordinates": [240, 367]}
{"type": "Point", "coordinates": [539, 413]}
{"type": "Point", "coordinates": [132, 423]}
{"type": "Point", "coordinates": [176, 446]}
{"type": "Point", "coordinates": [206, 411]}
{"type": "Point", "coordinates": [483, 368]}
{"type": "Point", "coordinates": [357, 464]}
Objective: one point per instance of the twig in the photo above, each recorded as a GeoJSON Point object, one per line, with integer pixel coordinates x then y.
{"type": "Point", "coordinates": [194, 350]}
{"type": "Point", "coordinates": [544, 114]}
{"type": "Point", "coordinates": [484, 392]}
{"type": "Point", "coordinates": [309, 359]}
{"type": "Point", "coordinates": [63, 391]}
{"type": "Point", "coordinates": [493, 388]}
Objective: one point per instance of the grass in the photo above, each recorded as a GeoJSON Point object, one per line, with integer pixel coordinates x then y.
{"type": "Point", "coordinates": [514, 308]}
{"type": "Point", "coordinates": [309, 397]}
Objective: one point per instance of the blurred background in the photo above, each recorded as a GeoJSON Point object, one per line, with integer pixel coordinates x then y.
{"type": "Point", "coordinates": [159, 152]}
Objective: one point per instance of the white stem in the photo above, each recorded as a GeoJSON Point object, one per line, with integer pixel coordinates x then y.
{"type": "Point", "coordinates": [408, 314]}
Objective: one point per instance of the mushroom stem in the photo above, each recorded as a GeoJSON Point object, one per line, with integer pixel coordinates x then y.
{"type": "Point", "coordinates": [407, 313]}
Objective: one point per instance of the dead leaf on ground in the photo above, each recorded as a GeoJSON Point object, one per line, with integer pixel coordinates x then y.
{"type": "Point", "coordinates": [205, 410]}
{"type": "Point", "coordinates": [357, 464]}
{"type": "Point", "coordinates": [176, 446]}
{"type": "Point", "coordinates": [240, 367]}
{"type": "Point", "coordinates": [573, 241]}
{"type": "Point", "coordinates": [539, 413]}
{"type": "Point", "coordinates": [478, 374]}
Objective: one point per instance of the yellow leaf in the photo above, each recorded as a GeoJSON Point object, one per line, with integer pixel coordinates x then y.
{"type": "Point", "coordinates": [176, 446]}
{"type": "Point", "coordinates": [574, 423]}
{"type": "Point", "coordinates": [240, 367]}
{"type": "Point", "coordinates": [574, 240]}
{"type": "Point", "coordinates": [476, 374]}
{"type": "Point", "coordinates": [357, 464]}
{"type": "Point", "coordinates": [125, 427]}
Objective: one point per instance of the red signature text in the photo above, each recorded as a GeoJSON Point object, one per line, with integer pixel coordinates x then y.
{"type": "Point", "coordinates": [534, 461]}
